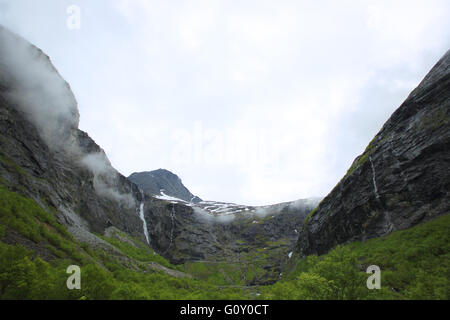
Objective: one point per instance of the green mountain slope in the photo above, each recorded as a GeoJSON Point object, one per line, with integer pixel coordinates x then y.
{"type": "Point", "coordinates": [414, 263]}
{"type": "Point", "coordinates": [124, 270]}
{"type": "Point", "coordinates": [62, 203]}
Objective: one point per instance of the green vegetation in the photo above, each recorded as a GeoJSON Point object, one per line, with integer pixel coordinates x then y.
{"type": "Point", "coordinates": [30, 220]}
{"type": "Point", "coordinates": [23, 275]}
{"type": "Point", "coordinates": [235, 273]}
{"type": "Point", "coordinates": [435, 120]}
{"type": "Point", "coordinates": [362, 159]}
{"type": "Point", "coordinates": [220, 273]}
{"type": "Point", "coordinates": [135, 249]}
{"type": "Point", "coordinates": [11, 166]}
{"type": "Point", "coordinates": [311, 214]}
{"type": "Point", "coordinates": [415, 264]}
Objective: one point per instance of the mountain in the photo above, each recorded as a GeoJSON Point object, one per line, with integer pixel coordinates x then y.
{"type": "Point", "coordinates": [402, 179]}
{"type": "Point", "coordinates": [163, 183]}
{"type": "Point", "coordinates": [44, 155]}
{"type": "Point", "coordinates": [62, 203]}
{"type": "Point", "coordinates": [253, 243]}
{"type": "Point", "coordinates": [46, 158]}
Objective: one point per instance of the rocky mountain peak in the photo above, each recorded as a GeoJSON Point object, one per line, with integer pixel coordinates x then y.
{"type": "Point", "coordinates": [162, 182]}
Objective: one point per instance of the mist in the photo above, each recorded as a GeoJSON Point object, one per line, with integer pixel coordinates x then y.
{"type": "Point", "coordinates": [106, 178]}
{"type": "Point", "coordinates": [300, 206]}
{"type": "Point", "coordinates": [308, 204]}
{"type": "Point", "coordinates": [36, 88]}
{"type": "Point", "coordinates": [207, 217]}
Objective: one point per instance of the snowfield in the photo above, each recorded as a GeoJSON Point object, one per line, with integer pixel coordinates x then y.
{"type": "Point", "coordinates": [219, 209]}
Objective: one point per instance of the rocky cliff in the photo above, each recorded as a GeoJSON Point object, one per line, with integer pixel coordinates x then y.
{"type": "Point", "coordinates": [401, 180]}
{"type": "Point", "coordinates": [250, 240]}
{"type": "Point", "coordinates": [163, 182]}
{"type": "Point", "coordinates": [44, 155]}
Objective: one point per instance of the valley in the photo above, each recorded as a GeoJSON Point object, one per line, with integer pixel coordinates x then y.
{"type": "Point", "coordinates": [148, 237]}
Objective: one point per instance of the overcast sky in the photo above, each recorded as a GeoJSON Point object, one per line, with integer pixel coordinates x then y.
{"type": "Point", "coordinates": [253, 102]}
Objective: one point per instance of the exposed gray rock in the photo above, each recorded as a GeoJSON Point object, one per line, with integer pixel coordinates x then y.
{"type": "Point", "coordinates": [401, 180]}
{"type": "Point", "coordinates": [62, 168]}
{"type": "Point", "coordinates": [162, 181]}
{"type": "Point", "coordinates": [261, 238]}
{"type": "Point", "coordinates": [43, 152]}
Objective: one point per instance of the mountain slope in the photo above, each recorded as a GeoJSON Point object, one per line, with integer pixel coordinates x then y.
{"type": "Point", "coordinates": [62, 203]}
{"type": "Point", "coordinates": [253, 245]}
{"type": "Point", "coordinates": [414, 264]}
{"type": "Point", "coordinates": [401, 180]}
{"type": "Point", "coordinates": [163, 182]}
{"type": "Point", "coordinates": [46, 157]}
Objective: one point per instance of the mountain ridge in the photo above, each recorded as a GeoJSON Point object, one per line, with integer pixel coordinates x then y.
{"type": "Point", "coordinates": [401, 179]}
{"type": "Point", "coordinates": [64, 202]}
{"type": "Point", "coordinates": [163, 182]}
{"type": "Point", "coordinates": [45, 157]}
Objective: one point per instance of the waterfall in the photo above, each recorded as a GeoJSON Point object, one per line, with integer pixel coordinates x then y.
{"type": "Point", "coordinates": [375, 188]}
{"type": "Point", "coordinates": [141, 215]}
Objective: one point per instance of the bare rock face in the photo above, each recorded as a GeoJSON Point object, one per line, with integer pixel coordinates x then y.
{"type": "Point", "coordinates": [261, 238]}
{"type": "Point", "coordinates": [162, 181]}
{"type": "Point", "coordinates": [401, 180]}
{"type": "Point", "coordinates": [44, 155]}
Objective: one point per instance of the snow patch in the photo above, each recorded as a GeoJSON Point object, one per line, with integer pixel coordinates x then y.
{"type": "Point", "coordinates": [166, 197]}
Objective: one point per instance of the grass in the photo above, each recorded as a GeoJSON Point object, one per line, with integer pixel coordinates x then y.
{"type": "Point", "coordinates": [415, 264]}
{"type": "Point", "coordinates": [11, 165]}
{"type": "Point", "coordinates": [362, 159]}
{"type": "Point", "coordinates": [310, 215]}
{"type": "Point", "coordinates": [32, 221]}
{"type": "Point", "coordinates": [137, 251]}
{"type": "Point", "coordinates": [23, 275]}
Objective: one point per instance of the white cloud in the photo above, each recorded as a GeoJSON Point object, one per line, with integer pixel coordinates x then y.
{"type": "Point", "coordinates": [299, 87]}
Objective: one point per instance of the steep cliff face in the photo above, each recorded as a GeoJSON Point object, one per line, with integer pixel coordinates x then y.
{"type": "Point", "coordinates": [255, 239]}
{"type": "Point", "coordinates": [44, 155]}
{"type": "Point", "coordinates": [401, 180]}
{"type": "Point", "coordinates": [163, 182]}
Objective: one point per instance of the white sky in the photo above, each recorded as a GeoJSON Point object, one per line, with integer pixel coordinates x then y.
{"type": "Point", "coordinates": [252, 102]}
